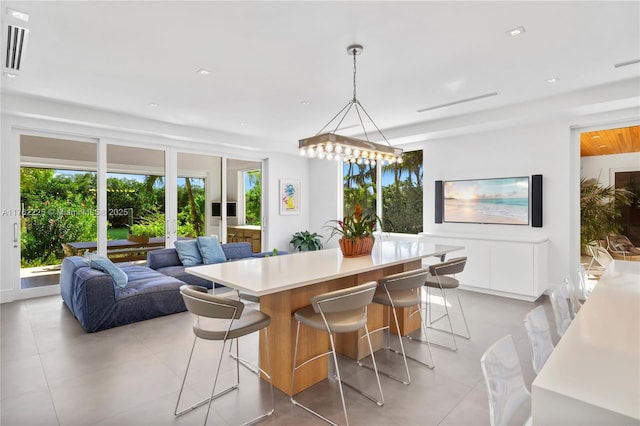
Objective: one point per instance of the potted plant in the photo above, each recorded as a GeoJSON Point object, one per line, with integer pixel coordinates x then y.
{"type": "Point", "coordinates": [599, 210]}
{"type": "Point", "coordinates": [356, 232]}
{"type": "Point", "coordinates": [306, 241]}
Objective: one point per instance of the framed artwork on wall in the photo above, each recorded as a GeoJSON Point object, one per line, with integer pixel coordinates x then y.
{"type": "Point", "coordinates": [289, 196]}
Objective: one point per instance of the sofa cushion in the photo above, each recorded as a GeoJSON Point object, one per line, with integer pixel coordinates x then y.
{"type": "Point", "coordinates": [188, 252]}
{"type": "Point", "coordinates": [103, 264]}
{"type": "Point", "coordinates": [180, 273]}
{"type": "Point", "coordinates": [237, 250]}
{"type": "Point", "coordinates": [211, 250]}
{"type": "Point", "coordinates": [145, 280]}
{"type": "Point", "coordinates": [161, 258]}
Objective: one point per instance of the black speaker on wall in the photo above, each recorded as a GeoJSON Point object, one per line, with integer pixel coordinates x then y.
{"type": "Point", "coordinates": [439, 201]}
{"type": "Point", "coordinates": [536, 201]}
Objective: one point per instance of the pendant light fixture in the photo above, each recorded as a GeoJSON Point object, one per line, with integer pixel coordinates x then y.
{"type": "Point", "coordinates": [330, 145]}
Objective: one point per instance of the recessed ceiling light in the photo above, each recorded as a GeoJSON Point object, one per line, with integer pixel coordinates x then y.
{"type": "Point", "coordinates": [202, 71]}
{"type": "Point", "coordinates": [10, 75]}
{"type": "Point", "coordinates": [515, 32]}
{"type": "Point", "coordinates": [153, 105]}
{"type": "Point", "coordinates": [243, 124]}
{"type": "Point", "coordinates": [305, 103]}
{"type": "Point", "coordinates": [553, 80]}
{"type": "Point", "coordinates": [18, 15]}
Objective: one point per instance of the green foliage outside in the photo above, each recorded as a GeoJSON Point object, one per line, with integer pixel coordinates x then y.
{"type": "Point", "coordinates": [56, 210]}
{"type": "Point", "coordinates": [402, 200]}
{"type": "Point", "coordinates": [59, 209]}
{"type": "Point", "coordinates": [191, 208]}
{"type": "Point", "coordinates": [253, 197]}
{"type": "Point", "coordinates": [402, 209]}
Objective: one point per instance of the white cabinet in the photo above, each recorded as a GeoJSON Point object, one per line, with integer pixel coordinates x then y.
{"type": "Point", "coordinates": [509, 267]}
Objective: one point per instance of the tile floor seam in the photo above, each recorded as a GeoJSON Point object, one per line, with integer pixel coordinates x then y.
{"type": "Point", "coordinates": [456, 406]}
{"type": "Point", "coordinates": [44, 373]}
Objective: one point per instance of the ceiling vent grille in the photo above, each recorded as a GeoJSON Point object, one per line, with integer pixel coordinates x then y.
{"type": "Point", "coordinates": [16, 41]}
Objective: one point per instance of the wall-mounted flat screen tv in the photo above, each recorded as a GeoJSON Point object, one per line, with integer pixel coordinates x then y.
{"type": "Point", "coordinates": [497, 200]}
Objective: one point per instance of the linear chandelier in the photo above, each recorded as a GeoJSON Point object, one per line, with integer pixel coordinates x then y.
{"type": "Point", "coordinates": [332, 146]}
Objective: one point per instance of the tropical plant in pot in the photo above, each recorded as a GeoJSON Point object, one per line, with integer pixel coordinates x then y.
{"type": "Point", "coordinates": [600, 210]}
{"type": "Point", "coordinates": [356, 232]}
{"type": "Point", "coordinates": [306, 241]}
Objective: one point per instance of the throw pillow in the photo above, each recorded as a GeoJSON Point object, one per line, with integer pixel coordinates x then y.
{"type": "Point", "coordinates": [211, 250]}
{"type": "Point", "coordinates": [188, 252]}
{"type": "Point", "coordinates": [103, 264]}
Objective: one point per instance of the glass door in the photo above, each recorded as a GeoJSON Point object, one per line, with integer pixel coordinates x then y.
{"type": "Point", "coordinates": [199, 189]}
{"type": "Point", "coordinates": [244, 202]}
{"type": "Point", "coordinates": [58, 205]}
{"type": "Point", "coordinates": [135, 202]}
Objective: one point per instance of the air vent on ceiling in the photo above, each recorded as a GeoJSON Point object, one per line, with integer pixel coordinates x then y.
{"type": "Point", "coordinates": [461, 101]}
{"type": "Point", "coordinates": [16, 41]}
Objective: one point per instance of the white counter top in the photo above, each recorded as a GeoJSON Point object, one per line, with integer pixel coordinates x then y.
{"type": "Point", "coordinates": [593, 375]}
{"type": "Point", "coordinates": [260, 276]}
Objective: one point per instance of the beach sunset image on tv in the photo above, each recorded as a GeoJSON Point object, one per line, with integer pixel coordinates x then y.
{"type": "Point", "coordinates": [500, 200]}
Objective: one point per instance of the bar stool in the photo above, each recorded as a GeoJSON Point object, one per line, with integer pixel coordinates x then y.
{"type": "Point", "coordinates": [233, 321]}
{"type": "Point", "coordinates": [402, 290]}
{"type": "Point", "coordinates": [340, 311]}
{"type": "Point", "coordinates": [440, 278]}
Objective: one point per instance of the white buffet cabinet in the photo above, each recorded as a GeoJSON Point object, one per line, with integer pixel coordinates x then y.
{"type": "Point", "coordinates": [514, 267]}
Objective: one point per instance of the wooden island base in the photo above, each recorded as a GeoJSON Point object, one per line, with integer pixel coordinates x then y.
{"type": "Point", "coordinates": [282, 333]}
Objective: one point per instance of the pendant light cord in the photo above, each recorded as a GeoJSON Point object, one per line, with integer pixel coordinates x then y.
{"type": "Point", "coordinates": [354, 102]}
{"type": "Point", "coordinates": [354, 75]}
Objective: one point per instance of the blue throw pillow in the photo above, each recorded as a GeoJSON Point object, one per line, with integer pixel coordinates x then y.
{"type": "Point", "coordinates": [103, 264]}
{"type": "Point", "coordinates": [211, 250]}
{"type": "Point", "coordinates": [188, 252]}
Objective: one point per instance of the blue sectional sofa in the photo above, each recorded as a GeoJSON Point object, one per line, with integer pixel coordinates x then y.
{"type": "Point", "coordinates": [98, 303]}
{"type": "Point", "coordinates": [168, 262]}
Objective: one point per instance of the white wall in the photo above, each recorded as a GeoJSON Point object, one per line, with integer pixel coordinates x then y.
{"type": "Point", "coordinates": [279, 228]}
{"type": "Point", "coordinates": [326, 204]}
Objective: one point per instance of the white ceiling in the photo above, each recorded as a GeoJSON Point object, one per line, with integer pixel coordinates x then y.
{"type": "Point", "coordinates": [268, 57]}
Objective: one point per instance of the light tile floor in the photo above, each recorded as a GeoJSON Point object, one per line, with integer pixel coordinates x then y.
{"type": "Point", "coordinates": [53, 373]}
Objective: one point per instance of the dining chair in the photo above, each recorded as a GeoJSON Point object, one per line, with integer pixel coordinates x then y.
{"type": "Point", "coordinates": [505, 384]}
{"type": "Point", "coordinates": [600, 256]}
{"type": "Point", "coordinates": [442, 276]}
{"type": "Point", "coordinates": [539, 334]}
{"type": "Point", "coordinates": [222, 319]}
{"type": "Point", "coordinates": [402, 290]}
{"type": "Point", "coordinates": [339, 311]}
{"type": "Point", "coordinates": [573, 291]}
{"type": "Point", "coordinates": [561, 311]}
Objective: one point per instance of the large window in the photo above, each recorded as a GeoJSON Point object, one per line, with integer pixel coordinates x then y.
{"type": "Point", "coordinates": [402, 192]}
{"type": "Point", "coordinates": [359, 187]}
